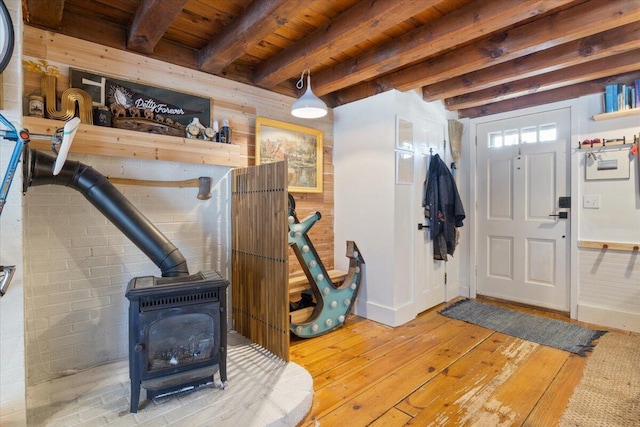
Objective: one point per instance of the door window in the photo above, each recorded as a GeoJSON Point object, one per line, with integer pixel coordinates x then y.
{"type": "Point", "coordinates": [525, 135]}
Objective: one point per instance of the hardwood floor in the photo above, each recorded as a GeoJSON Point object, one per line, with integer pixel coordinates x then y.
{"type": "Point", "coordinates": [435, 371]}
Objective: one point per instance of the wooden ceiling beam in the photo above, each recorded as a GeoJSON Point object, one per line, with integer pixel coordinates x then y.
{"type": "Point", "coordinates": [470, 22]}
{"type": "Point", "coordinates": [577, 22]}
{"type": "Point", "coordinates": [349, 29]}
{"type": "Point", "coordinates": [601, 45]}
{"type": "Point", "coordinates": [45, 13]}
{"type": "Point", "coordinates": [546, 97]}
{"type": "Point", "coordinates": [587, 71]}
{"type": "Point", "coordinates": [151, 21]}
{"type": "Point", "coordinates": [115, 36]}
{"type": "Point", "coordinates": [260, 19]}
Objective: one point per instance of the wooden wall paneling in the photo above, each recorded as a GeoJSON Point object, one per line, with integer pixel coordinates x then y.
{"type": "Point", "coordinates": [259, 291]}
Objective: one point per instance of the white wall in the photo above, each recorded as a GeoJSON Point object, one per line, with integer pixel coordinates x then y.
{"type": "Point", "coordinates": [365, 213]}
{"type": "Point", "coordinates": [608, 282]}
{"type": "Point", "coordinates": [371, 209]}
{"type": "Point", "coordinates": [79, 264]}
{"type": "Point", "coordinates": [618, 218]}
{"type": "Point", "coordinates": [12, 335]}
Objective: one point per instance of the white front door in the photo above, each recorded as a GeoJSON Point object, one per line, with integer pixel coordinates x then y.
{"type": "Point", "coordinates": [522, 171]}
{"type": "Point", "coordinates": [429, 274]}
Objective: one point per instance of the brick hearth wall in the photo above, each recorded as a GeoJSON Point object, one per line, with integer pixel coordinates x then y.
{"type": "Point", "coordinates": [79, 264]}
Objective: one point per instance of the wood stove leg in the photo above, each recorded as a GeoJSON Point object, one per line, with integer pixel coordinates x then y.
{"type": "Point", "coordinates": [135, 396]}
{"type": "Point", "coordinates": [223, 366]}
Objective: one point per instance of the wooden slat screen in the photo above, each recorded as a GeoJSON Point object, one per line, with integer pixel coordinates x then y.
{"type": "Point", "coordinates": [259, 285]}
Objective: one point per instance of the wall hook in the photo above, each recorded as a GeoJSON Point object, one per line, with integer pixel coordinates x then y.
{"type": "Point", "coordinates": [6, 273]}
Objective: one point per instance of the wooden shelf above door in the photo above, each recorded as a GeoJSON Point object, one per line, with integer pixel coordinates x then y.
{"type": "Point", "coordinates": [617, 114]}
{"type": "Point", "coordinates": [106, 141]}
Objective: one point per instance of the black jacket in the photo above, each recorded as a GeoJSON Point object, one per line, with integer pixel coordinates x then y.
{"type": "Point", "coordinates": [442, 208]}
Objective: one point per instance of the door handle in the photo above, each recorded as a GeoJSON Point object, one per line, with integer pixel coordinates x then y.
{"type": "Point", "coordinates": [421, 226]}
{"type": "Point", "coordinates": [561, 215]}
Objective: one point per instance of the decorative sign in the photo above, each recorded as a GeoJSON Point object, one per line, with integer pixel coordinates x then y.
{"type": "Point", "coordinates": [127, 99]}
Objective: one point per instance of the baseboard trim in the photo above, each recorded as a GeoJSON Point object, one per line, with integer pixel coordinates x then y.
{"type": "Point", "coordinates": [463, 291]}
{"type": "Point", "coordinates": [389, 316]}
{"type": "Point", "coordinates": [609, 318]}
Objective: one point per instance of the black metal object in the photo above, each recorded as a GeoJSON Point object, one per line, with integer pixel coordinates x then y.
{"type": "Point", "coordinates": [564, 202]}
{"type": "Point", "coordinates": [561, 215]}
{"type": "Point", "coordinates": [6, 274]}
{"type": "Point", "coordinates": [97, 189]}
{"type": "Point", "coordinates": [177, 333]}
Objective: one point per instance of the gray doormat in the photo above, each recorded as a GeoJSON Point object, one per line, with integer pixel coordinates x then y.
{"type": "Point", "coordinates": [554, 333]}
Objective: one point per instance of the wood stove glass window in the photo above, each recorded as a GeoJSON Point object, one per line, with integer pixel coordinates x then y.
{"type": "Point", "coordinates": [180, 340]}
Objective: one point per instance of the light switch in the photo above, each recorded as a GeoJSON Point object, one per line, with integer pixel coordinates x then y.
{"type": "Point", "coordinates": [591, 202]}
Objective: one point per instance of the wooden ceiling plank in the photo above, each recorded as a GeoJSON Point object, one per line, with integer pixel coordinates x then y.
{"type": "Point", "coordinates": [354, 26]}
{"type": "Point", "coordinates": [577, 22]}
{"type": "Point", "coordinates": [547, 97]}
{"type": "Point", "coordinates": [151, 21]}
{"type": "Point", "coordinates": [587, 71]}
{"type": "Point", "coordinates": [45, 13]}
{"type": "Point", "coordinates": [259, 20]}
{"type": "Point", "coordinates": [601, 45]}
{"type": "Point", "coordinates": [470, 22]}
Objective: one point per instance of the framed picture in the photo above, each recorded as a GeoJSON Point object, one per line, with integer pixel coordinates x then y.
{"type": "Point", "coordinates": [300, 146]}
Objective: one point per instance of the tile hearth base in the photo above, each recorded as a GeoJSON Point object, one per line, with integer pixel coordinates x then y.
{"type": "Point", "coordinates": [262, 390]}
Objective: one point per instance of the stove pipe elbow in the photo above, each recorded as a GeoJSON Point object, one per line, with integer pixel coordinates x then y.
{"type": "Point", "coordinates": [97, 189]}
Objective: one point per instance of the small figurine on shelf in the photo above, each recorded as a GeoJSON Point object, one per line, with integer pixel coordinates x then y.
{"type": "Point", "coordinates": [36, 105]}
{"type": "Point", "coordinates": [225, 132]}
{"type": "Point", "coordinates": [195, 129]}
{"type": "Point", "coordinates": [216, 136]}
{"type": "Point", "coordinates": [209, 134]}
{"type": "Point", "coordinates": [102, 116]}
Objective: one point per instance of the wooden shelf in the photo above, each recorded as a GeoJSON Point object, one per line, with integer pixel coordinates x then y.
{"type": "Point", "coordinates": [631, 247]}
{"type": "Point", "coordinates": [617, 114]}
{"type": "Point", "coordinates": [106, 141]}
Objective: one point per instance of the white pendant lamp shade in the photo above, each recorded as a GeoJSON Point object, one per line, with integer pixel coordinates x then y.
{"type": "Point", "coordinates": [308, 106]}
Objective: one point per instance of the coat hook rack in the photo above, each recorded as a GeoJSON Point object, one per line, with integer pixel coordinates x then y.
{"type": "Point", "coordinates": [615, 246]}
{"type": "Point", "coordinates": [604, 142]}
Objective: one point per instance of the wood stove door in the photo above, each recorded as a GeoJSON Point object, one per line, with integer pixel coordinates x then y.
{"type": "Point", "coordinates": [178, 339]}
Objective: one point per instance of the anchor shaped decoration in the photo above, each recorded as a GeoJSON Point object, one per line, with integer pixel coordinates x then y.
{"type": "Point", "coordinates": [333, 303]}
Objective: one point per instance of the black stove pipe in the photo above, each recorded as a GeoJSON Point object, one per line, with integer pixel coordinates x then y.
{"type": "Point", "coordinates": [97, 189]}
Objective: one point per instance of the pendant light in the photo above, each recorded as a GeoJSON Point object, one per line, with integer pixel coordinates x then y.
{"type": "Point", "coordinates": [308, 106]}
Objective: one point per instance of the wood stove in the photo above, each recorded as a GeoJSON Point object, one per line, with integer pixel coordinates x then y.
{"type": "Point", "coordinates": [177, 333]}
{"type": "Point", "coordinates": [177, 323]}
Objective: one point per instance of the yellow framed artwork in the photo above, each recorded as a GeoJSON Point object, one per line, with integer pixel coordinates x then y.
{"type": "Point", "coordinates": [299, 145]}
